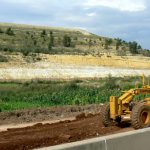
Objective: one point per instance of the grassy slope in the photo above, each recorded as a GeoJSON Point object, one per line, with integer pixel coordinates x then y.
{"type": "Point", "coordinates": [28, 38]}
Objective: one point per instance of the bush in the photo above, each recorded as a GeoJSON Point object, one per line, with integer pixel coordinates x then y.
{"type": "Point", "coordinates": [111, 83]}
{"type": "Point", "coordinates": [121, 52]}
{"type": "Point", "coordinates": [49, 46]}
{"type": "Point", "coordinates": [3, 59]}
{"type": "Point", "coordinates": [133, 47]}
{"type": "Point", "coordinates": [67, 41]}
{"type": "Point", "coordinates": [9, 31]}
{"type": "Point", "coordinates": [43, 33]}
{"type": "Point", "coordinates": [1, 31]}
{"type": "Point", "coordinates": [25, 52]}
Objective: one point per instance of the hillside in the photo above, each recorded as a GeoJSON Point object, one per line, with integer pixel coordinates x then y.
{"type": "Point", "coordinates": [33, 52]}
{"type": "Point", "coordinates": [47, 67]}
{"type": "Point", "coordinates": [38, 39]}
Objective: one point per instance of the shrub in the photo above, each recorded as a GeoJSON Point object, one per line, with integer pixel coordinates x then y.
{"type": "Point", "coordinates": [43, 33]}
{"type": "Point", "coordinates": [9, 31]}
{"type": "Point", "coordinates": [25, 52]}
{"type": "Point", "coordinates": [1, 31]}
{"type": "Point", "coordinates": [111, 83]}
{"type": "Point", "coordinates": [67, 41]}
{"type": "Point", "coordinates": [50, 46]}
{"type": "Point", "coordinates": [3, 58]}
{"type": "Point", "coordinates": [51, 38]}
{"type": "Point", "coordinates": [133, 47]}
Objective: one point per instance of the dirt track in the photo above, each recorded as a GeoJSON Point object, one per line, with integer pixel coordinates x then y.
{"type": "Point", "coordinates": [46, 114]}
{"type": "Point", "coordinates": [39, 135]}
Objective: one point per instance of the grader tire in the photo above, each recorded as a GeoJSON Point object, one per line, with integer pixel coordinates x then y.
{"type": "Point", "coordinates": [107, 121]}
{"type": "Point", "coordinates": [140, 117]}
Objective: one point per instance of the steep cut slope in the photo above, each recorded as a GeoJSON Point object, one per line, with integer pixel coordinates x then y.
{"type": "Point", "coordinates": [71, 67]}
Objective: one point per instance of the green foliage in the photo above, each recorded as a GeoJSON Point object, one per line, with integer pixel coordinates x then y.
{"type": "Point", "coordinates": [42, 40]}
{"type": "Point", "coordinates": [108, 42]}
{"type": "Point", "coordinates": [10, 32]}
{"type": "Point", "coordinates": [111, 83]}
{"type": "Point", "coordinates": [54, 93]}
{"type": "Point", "coordinates": [3, 59]}
{"type": "Point", "coordinates": [59, 41]}
{"type": "Point", "coordinates": [133, 47]}
{"type": "Point", "coordinates": [145, 52]}
{"type": "Point", "coordinates": [118, 43]}
{"type": "Point", "coordinates": [121, 52]}
{"type": "Point", "coordinates": [25, 52]}
{"type": "Point", "coordinates": [43, 33]}
{"type": "Point", "coordinates": [90, 43]}
{"type": "Point", "coordinates": [67, 41]}
{"type": "Point", "coordinates": [1, 31]}
{"type": "Point", "coordinates": [75, 38]}
{"type": "Point", "coordinates": [51, 38]}
{"type": "Point", "coordinates": [139, 47]}
{"type": "Point", "coordinates": [35, 42]}
{"type": "Point", "coordinates": [49, 46]}
{"type": "Point", "coordinates": [27, 32]}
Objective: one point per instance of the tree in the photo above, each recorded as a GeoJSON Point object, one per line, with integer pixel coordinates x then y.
{"type": "Point", "coordinates": [43, 33]}
{"type": "Point", "coordinates": [139, 47]}
{"type": "Point", "coordinates": [75, 38]}
{"type": "Point", "coordinates": [108, 42]}
{"type": "Point", "coordinates": [9, 31]}
{"type": "Point", "coordinates": [121, 52]}
{"type": "Point", "coordinates": [67, 41]}
{"type": "Point", "coordinates": [51, 38]}
{"type": "Point", "coordinates": [59, 41]}
{"type": "Point", "coordinates": [1, 31]}
{"type": "Point", "coordinates": [34, 42]}
{"type": "Point", "coordinates": [90, 43]}
{"type": "Point", "coordinates": [146, 52]}
{"type": "Point", "coordinates": [133, 47]}
{"type": "Point", "coordinates": [118, 43]}
{"type": "Point", "coordinates": [50, 46]}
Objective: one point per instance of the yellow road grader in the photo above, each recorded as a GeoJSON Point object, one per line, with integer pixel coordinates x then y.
{"type": "Point", "coordinates": [125, 109]}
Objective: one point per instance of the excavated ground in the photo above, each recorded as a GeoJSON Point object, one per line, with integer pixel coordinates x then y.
{"type": "Point", "coordinates": [42, 135]}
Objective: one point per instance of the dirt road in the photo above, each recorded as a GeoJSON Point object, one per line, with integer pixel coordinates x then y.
{"type": "Point", "coordinates": [41, 135]}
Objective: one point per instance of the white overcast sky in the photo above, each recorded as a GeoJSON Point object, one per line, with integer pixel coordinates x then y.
{"type": "Point", "coordinates": [126, 19]}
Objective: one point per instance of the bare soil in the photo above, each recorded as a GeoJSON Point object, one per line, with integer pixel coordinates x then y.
{"type": "Point", "coordinates": [42, 135]}
{"type": "Point", "coordinates": [87, 124]}
{"type": "Point", "coordinates": [46, 114]}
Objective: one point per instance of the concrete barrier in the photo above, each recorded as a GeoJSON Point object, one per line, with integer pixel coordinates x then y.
{"type": "Point", "coordinates": [133, 140]}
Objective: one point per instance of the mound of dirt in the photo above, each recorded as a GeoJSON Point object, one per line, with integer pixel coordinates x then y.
{"type": "Point", "coordinates": [44, 114]}
{"type": "Point", "coordinates": [42, 135]}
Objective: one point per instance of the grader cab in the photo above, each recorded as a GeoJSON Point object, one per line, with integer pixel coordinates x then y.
{"type": "Point", "coordinates": [125, 109]}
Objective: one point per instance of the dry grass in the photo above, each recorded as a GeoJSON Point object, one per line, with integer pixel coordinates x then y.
{"type": "Point", "coordinates": [113, 61]}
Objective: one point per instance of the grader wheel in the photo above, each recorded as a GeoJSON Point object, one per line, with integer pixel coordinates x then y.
{"type": "Point", "coordinates": [107, 121]}
{"type": "Point", "coordinates": [140, 117]}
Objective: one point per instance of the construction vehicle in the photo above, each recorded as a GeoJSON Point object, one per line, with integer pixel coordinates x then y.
{"type": "Point", "coordinates": [125, 109]}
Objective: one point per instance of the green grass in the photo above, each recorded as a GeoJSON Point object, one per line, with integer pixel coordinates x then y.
{"type": "Point", "coordinates": [34, 39]}
{"type": "Point", "coordinates": [16, 96]}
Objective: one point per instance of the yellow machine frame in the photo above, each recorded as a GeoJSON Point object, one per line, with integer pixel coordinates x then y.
{"type": "Point", "coordinates": [124, 108]}
{"type": "Point", "coordinates": [119, 107]}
